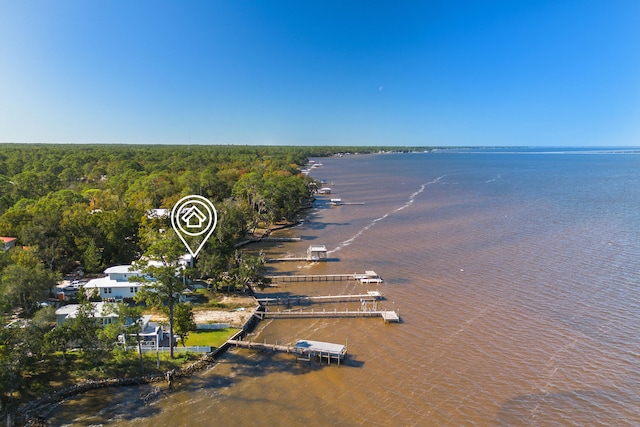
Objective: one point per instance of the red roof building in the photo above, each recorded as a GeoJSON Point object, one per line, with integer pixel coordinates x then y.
{"type": "Point", "coordinates": [7, 243]}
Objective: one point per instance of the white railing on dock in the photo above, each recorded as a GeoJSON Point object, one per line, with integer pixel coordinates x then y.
{"type": "Point", "coordinates": [312, 278]}
{"type": "Point", "coordinates": [387, 315]}
{"type": "Point", "coordinates": [289, 300]}
{"type": "Point", "coordinates": [179, 349]}
{"type": "Point", "coordinates": [366, 277]}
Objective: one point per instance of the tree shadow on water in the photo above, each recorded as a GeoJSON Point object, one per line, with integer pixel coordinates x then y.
{"type": "Point", "coordinates": [105, 406]}
{"type": "Point", "coordinates": [108, 405]}
{"type": "Point", "coordinates": [244, 363]}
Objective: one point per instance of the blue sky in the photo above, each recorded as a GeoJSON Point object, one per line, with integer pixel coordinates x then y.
{"type": "Point", "coordinates": [321, 72]}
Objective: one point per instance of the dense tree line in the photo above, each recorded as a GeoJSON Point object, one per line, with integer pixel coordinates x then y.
{"type": "Point", "coordinates": [86, 205]}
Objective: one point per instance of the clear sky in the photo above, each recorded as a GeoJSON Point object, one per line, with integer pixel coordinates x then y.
{"type": "Point", "coordinates": [301, 72]}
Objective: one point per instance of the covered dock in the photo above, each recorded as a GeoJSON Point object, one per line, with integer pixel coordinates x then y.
{"type": "Point", "coordinates": [303, 349]}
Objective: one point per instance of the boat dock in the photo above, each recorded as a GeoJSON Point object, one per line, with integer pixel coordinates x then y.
{"type": "Point", "coordinates": [312, 278]}
{"type": "Point", "coordinates": [368, 276]}
{"type": "Point", "coordinates": [285, 259]}
{"type": "Point", "coordinates": [280, 239]}
{"type": "Point", "coordinates": [387, 315]}
{"type": "Point", "coordinates": [339, 202]}
{"type": "Point", "coordinates": [303, 349]}
{"type": "Point", "coordinates": [298, 300]}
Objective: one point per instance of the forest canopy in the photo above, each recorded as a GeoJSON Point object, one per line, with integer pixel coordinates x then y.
{"type": "Point", "coordinates": [87, 205]}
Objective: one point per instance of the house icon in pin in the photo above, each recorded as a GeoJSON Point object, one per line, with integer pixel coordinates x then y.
{"type": "Point", "coordinates": [192, 217]}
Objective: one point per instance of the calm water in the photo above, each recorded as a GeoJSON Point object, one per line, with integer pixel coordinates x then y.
{"type": "Point", "coordinates": [516, 276]}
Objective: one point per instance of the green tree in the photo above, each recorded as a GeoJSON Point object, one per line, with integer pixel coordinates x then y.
{"type": "Point", "coordinates": [21, 348]}
{"type": "Point", "coordinates": [127, 322]}
{"type": "Point", "coordinates": [92, 258]}
{"type": "Point", "coordinates": [251, 271]}
{"type": "Point", "coordinates": [58, 339]}
{"type": "Point", "coordinates": [12, 365]}
{"type": "Point", "coordinates": [26, 282]}
{"type": "Point", "coordinates": [83, 329]}
{"type": "Point", "coordinates": [161, 262]}
{"type": "Point", "coordinates": [184, 321]}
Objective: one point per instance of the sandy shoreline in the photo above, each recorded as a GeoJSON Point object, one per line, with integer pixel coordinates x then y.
{"type": "Point", "coordinates": [236, 317]}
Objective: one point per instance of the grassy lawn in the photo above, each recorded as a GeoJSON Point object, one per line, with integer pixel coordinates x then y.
{"type": "Point", "coordinates": [212, 338]}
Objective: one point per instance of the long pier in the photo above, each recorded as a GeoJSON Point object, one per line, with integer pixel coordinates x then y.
{"type": "Point", "coordinates": [368, 276]}
{"type": "Point", "coordinates": [387, 315]}
{"type": "Point", "coordinates": [289, 300]}
{"type": "Point", "coordinates": [280, 239]}
{"type": "Point", "coordinates": [304, 349]}
{"type": "Point", "coordinates": [312, 278]}
{"type": "Point", "coordinates": [285, 259]}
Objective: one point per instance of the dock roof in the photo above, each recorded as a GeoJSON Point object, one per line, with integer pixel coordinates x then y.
{"type": "Point", "coordinates": [321, 347]}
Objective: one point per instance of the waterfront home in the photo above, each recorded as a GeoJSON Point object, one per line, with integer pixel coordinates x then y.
{"type": "Point", "coordinates": [115, 286]}
{"type": "Point", "coordinates": [151, 333]}
{"type": "Point", "coordinates": [101, 312]}
{"type": "Point", "coordinates": [120, 282]}
{"type": "Point", "coordinates": [316, 253]}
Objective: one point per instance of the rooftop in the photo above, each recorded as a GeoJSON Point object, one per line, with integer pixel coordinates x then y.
{"type": "Point", "coordinates": [321, 347]}
{"type": "Point", "coordinates": [71, 310]}
{"type": "Point", "coordinates": [121, 269]}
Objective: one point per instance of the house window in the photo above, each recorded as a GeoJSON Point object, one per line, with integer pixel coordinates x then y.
{"type": "Point", "coordinates": [132, 290]}
{"type": "Point", "coordinates": [107, 290]}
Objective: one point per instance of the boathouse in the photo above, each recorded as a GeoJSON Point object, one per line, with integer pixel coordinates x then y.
{"type": "Point", "coordinates": [317, 253]}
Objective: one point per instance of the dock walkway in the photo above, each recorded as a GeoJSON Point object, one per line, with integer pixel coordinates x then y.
{"type": "Point", "coordinates": [289, 300]}
{"type": "Point", "coordinates": [368, 276]}
{"type": "Point", "coordinates": [312, 278]}
{"type": "Point", "coordinates": [280, 239]}
{"type": "Point", "coordinates": [387, 315]}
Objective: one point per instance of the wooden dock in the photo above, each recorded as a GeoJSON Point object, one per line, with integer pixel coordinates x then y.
{"type": "Point", "coordinates": [298, 300]}
{"type": "Point", "coordinates": [312, 278]}
{"type": "Point", "coordinates": [387, 315]}
{"type": "Point", "coordinates": [368, 276]}
{"type": "Point", "coordinates": [303, 349]}
{"type": "Point", "coordinates": [285, 259]}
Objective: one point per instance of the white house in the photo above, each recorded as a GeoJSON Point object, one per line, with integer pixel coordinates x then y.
{"type": "Point", "coordinates": [158, 213]}
{"type": "Point", "coordinates": [101, 312]}
{"type": "Point", "coordinates": [151, 334]}
{"type": "Point", "coordinates": [116, 285]}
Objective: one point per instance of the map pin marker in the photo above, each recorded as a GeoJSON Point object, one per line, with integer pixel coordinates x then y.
{"type": "Point", "coordinates": [194, 218]}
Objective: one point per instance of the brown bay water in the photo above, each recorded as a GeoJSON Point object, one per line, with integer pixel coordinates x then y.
{"type": "Point", "coordinates": [516, 277]}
